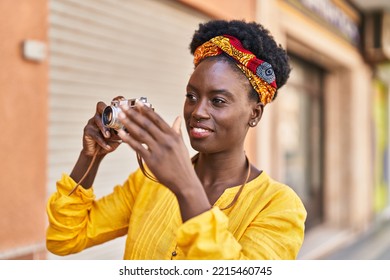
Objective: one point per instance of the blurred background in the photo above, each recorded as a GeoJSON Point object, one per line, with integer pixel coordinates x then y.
{"type": "Point", "coordinates": [326, 135]}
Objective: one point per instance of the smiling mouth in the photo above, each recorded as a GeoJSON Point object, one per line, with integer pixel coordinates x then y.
{"type": "Point", "coordinates": [198, 132]}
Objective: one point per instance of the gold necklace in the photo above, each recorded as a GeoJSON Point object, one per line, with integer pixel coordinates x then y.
{"type": "Point", "coordinates": [242, 186]}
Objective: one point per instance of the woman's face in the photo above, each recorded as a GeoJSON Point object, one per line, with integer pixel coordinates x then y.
{"type": "Point", "coordinates": [217, 110]}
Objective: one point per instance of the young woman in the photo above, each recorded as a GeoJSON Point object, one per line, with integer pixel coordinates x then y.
{"type": "Point", "coordinates": [216, 205]}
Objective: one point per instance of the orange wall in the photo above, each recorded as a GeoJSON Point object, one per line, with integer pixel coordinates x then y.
{"type": "Point", "coordinates": [23, 124]}
{"type": "Point", "coordinates": [24, 120]}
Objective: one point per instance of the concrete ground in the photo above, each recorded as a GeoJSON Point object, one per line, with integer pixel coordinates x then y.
{"type": "Point", "coordinates": [374, 245]}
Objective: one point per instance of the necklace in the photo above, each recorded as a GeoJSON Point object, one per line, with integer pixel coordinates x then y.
{"type": "Point", "coordinates": [242, 186]}
{"type": "Point", "coordinates": [248, 166]}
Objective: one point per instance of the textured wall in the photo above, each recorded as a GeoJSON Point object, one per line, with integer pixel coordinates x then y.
{"type": "Point", "coordinates": [23, 122]}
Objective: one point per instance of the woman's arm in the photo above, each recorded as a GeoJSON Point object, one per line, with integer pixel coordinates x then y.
{"type": "Point", "coordinates": [164, 152]}
{"type": "Point", "coordinates": [98, 141]}
{"type": "Point", "coordinates": [73, 216]}
{"type": "Point", "coordinates": [79, 221]}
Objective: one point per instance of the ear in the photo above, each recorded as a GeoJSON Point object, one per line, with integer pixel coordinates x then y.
{"type": "Point", "coordinates": [257, 113]}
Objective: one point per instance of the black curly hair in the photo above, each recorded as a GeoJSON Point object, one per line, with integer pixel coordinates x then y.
{"type": "Point", "coordinates": [254, 37]}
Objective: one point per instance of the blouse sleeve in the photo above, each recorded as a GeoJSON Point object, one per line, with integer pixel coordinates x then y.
{"type": "Point", "coordinates": [79, 221]}
{"type": "Point", "coordinates": [276, 233]}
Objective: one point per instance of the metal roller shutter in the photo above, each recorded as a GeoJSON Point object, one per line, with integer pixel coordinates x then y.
{"type": "Point", "coordinates": [100, 49]}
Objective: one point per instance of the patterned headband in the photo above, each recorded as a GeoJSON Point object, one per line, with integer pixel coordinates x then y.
{"type": "Point", "coordinates": [259, 73]}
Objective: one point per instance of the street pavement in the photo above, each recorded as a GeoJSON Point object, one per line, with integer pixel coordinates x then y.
{"type": "Point", "coordinates": [373, 245]}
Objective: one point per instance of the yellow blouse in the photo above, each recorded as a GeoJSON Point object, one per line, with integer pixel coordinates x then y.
{"type": "Point", "coordinates": [266, 222]}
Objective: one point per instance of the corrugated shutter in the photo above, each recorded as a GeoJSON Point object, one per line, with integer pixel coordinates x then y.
{"type": "Point", "coordinates": [100, 49]}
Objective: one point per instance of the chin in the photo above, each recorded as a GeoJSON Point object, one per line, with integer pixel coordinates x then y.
{"type": "Point", "coordinates": [199, 147]}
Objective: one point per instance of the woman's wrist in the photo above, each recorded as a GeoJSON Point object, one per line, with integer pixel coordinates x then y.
{"type": "Point", "coordinates": [192, 201]}
{"type": "Point", "coordinates": [86, 166]}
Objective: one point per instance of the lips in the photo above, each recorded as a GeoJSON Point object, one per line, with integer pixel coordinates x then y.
{"type": "Point", "coordinates": [199, 131]}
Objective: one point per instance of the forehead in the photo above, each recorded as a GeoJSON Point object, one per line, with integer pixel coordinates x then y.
{"type": "Point", "coordinates": [215, 72]}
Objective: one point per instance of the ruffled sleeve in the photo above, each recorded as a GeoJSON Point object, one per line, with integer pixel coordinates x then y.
{"type": "Point", "coordinates": [68, 217]}
{"type": "Point", "coordinates": [206, 237]}
{"type": "Point", "coordinates": [79, 221]}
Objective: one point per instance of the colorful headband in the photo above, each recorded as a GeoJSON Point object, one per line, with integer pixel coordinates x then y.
{"type": "Point", "coordinates": [259, 73]}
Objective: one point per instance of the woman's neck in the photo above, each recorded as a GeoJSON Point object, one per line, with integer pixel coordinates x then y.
{"type": "Point", "coordinates": [219, 169]}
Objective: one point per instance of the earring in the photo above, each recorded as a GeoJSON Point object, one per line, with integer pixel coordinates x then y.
{"type": "Point", "coordinates": [252, 123]}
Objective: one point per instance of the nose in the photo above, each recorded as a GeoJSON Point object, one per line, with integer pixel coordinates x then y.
{"type": "Point", "coordinates": [200, 110]}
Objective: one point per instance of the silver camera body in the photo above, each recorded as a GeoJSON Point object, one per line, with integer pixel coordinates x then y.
{"type": "Point", "coordinates": [110, 113]}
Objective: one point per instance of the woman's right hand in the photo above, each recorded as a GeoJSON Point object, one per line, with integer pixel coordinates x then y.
{"type": "Point", "coordinates": [97, 137]}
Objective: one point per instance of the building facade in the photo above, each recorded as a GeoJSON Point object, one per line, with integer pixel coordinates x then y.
{"type": "Point", "coordinates": [326, 135]}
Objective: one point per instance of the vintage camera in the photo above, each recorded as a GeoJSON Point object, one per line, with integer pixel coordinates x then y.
{"type": "Point", "coordinates": [110, 113]}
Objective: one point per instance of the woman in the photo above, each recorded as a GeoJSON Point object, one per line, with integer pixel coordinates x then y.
{"type": "Point", "coordinates": [215, 206]}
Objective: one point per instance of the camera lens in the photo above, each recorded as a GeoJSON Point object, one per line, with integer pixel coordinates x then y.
{"type": "Point", "coordinates": [110, 117]}
{"type": "Point", "coordinates": [107, 116]}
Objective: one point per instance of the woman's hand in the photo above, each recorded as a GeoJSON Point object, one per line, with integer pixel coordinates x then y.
{"type": "Point", "coordinates": [160, 145]}
{"type": "Point", "coordinates": [98, 141]}
{"type": "Point", "coordinates": [164, 152]}
{"type": "Point", "coordinates": [97, 137]}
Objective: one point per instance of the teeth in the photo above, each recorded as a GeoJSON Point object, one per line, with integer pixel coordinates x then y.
{"type": "Point", "coordinates": [198, 129]}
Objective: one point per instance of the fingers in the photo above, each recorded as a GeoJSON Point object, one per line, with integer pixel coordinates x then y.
{"type": "Point", "coordinates": [94, 139]}
{"type": "Point", "coordinates": [143, 123]}
{"type": "Point", "coordinates": [135, 124]}
{"type": "Point", "coordinates": [134, 144]}
{"type": "Point", "coordinates": [146, 127]}
{"type": "Point", "coordinates": [96, 134]}
{"type": "Point", "coordinates": [119, 98]}
{"type": "Point", "coordinates": [153, 116]}
{"type": "Point", "coordinates": [100, 106]}
{"type": "Point", "coordinates": [177, 125]}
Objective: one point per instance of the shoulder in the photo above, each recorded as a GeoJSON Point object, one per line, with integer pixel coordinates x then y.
{"type": "Point", "coordinates": [274, 194]}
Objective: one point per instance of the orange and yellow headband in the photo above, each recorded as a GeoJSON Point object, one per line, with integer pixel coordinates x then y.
{"type": "Point", "coordinates": [259, 73]}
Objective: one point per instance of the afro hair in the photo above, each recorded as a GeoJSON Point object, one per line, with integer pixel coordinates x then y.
{"type": "Point", "coordinates": [254, 37]}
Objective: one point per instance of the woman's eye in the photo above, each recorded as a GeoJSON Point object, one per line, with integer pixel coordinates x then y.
{"type": "Point", "coordinates": [190, 97]}
{"type": "Point", "coordinates": [218, 101]}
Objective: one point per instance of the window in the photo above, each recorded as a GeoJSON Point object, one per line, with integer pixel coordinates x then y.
{"type": "Point", "coordinates": [300, 136]}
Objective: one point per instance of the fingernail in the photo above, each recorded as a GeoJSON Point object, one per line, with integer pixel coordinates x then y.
{"type": "Point", "coordinates": [125, 107]}
{"type": "Point", "coordinates": [121, 133]}
{"type": "Point", "coordinates": [139, 103]}
{"type": "Point", "coordinates": [121, 115]}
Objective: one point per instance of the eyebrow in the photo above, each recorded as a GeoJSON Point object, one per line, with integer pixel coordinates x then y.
{"type": "Point", "coordinates": [214, 91]}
